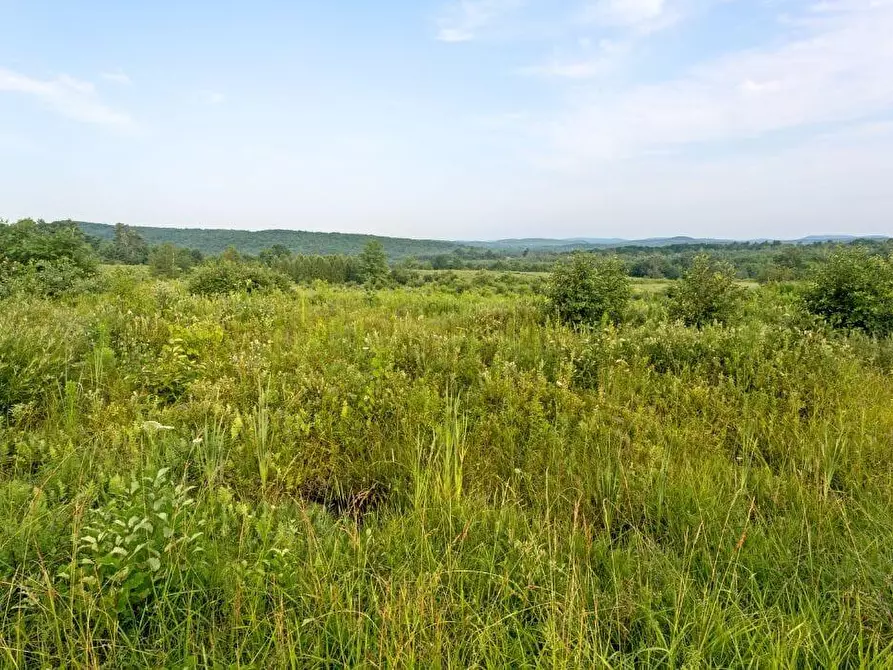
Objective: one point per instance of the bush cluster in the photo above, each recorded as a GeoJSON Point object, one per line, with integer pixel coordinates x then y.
{"type": "Point", "coordinates": [226, 276]}
{"type": "Point", "coordinates": [706, 293]}
{"type": "Point", "coordinates": [854, 291]}
{"type": "Point", "coordinates": [586, 289]}
{"type": "Point", "coordinates": [43, 259]}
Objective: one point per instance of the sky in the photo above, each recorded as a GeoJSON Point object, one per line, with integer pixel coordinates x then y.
{"type": "Point", "coordinates": [452, 119]}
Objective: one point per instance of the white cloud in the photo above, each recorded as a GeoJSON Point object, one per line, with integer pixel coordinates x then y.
{"type": "Point", "coordinates": [68, 96]}
{"type": "Point", "coordinates": [585, 64]}
{"type": "Point", "coordinates": [463, 20]}
{"type": "Point", "coordinates": [628, 22]}
{"type": "Point", "coordinates": [838, 71]}
{"type": "Point", "coordinates": [117, 76]}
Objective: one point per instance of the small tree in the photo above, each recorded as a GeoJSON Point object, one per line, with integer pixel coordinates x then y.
{"type": "Point", "coordinates": [585, 289]}
{"type": "Point", "coordinates": [706, 293]}
{"type": "Point", "coordinates": [231, 255]}
{"type": "Point", "coordinates": [163, 261]}
{"type": "Point", "coordinates": [855, 291]}
{"type": "Point", "coordinates": [373, 263]}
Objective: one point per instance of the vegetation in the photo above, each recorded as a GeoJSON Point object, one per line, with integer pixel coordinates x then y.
{"type": "Point", "coordinates": [374, 264]}
{"type": "Point", "coordinates": [648, 259]}
{"type": "Point", "coordinates": [42, 258]}
{"type": "Point", "coordinates": [239, 467]}
{"type": "Point", "coordinates": [212, 242]}
{"type": "Point", "coordinates": [585, 289]}
{"type": "Point", "coordinates": [854, 290]}
{"type": "Point", "coordinates": [169, 261]}
{"type": "Point", "coordinates": [707, 293]}
{"type": "Point", "coordinates": [230, 276]}
{"type": "Point", "coordinates": [128, 247]}
{"type": "Point", "coordinates": [330, 269]}
{"type": "Point", "coordinates": [760, 261]}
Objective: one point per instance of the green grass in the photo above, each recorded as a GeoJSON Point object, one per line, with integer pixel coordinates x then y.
{"type": "Point", "coordinates": [420, 478]}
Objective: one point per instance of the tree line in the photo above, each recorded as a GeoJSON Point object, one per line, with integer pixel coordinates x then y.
{"type": "Point", "coordinates": [50, 257]}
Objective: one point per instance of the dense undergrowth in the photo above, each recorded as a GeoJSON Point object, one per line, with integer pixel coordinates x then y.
{"type": "Point", "coordinates": [328, 477]}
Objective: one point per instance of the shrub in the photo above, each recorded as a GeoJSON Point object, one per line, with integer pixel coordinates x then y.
{"type": "Point", "coordinates": [43, 258]}
{"type": "Point", "coordinates": [146, 538]}
{"type": "Point", "coordinates": [707, 293]}
{"type": "Point", "coordinates": [586, 289]}
{"type": "Point", "coordinates": [853, 290]}
{"type": "Point", "coordinates": [225, 276]}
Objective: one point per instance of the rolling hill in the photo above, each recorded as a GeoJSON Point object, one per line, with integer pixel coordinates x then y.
{"type": "Point", "coordinates": [216, 240]}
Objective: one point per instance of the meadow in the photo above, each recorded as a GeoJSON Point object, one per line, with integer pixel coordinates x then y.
{"type": "Point", "coordinates": [433, 476]}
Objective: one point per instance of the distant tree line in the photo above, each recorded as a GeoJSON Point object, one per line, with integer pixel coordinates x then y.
{"type": "Point", "coordinates": [761, 261]}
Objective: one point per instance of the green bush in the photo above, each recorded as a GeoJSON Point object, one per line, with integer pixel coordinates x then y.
{"type": "Point", "coordinates": [853, 290]}
{"type": "Point", "coordinates": [43, 259]}
{"type": "Point", "coordinates": [222, 277]}
{"type": "Point", "coordinates": [707, 293]}
{"type": "Point", "coordinates": [586, 289]}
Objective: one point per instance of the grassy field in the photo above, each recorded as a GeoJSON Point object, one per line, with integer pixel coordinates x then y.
{"type": "Point", "coordinates": [420, 477]}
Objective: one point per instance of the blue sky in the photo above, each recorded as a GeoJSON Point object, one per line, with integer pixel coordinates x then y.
{"type": "Point", "coordinates": [452, 118]}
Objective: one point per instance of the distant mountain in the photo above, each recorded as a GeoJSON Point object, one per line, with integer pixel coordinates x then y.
{"type": "Point", "coordinates": [215, 241]}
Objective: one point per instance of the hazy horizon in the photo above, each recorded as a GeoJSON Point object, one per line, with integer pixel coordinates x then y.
{"type": "Point", "coordinates": [578, 238]}
{"type": "Point", "coordinates": [453, 120]}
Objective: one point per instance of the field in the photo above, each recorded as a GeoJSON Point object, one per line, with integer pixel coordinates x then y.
{"type": "Point", "coordinates": [438, 477]}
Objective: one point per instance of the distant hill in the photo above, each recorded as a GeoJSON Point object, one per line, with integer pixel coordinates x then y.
{"type": "Point", "coordinates": [215, 241]}
{"type": "Point", "coordinates": [572, 244]}
{"type": "Point", "coordinates": [813, 239]}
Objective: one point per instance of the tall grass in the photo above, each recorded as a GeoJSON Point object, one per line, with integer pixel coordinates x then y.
{"type": "Point", "coordinates": [425, 478]}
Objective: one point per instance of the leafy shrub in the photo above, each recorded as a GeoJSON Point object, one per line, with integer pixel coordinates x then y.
{"type": "Point", "coordinates": [43, 259]}
{"type": "Point", "coordinates": [44, 278]}
{"type": "Point", "coordinates": [225, 276]}
{"type": "Point", "coordinates": [585, 289]}
{"type": "Point", "coordinates": [146, 535]}
{"type": "Point", "coordinates": [181, 359]}
{"type": "Point", "coordinates": [853, 290]}
{"type": "Point", "coordinates": [707, 293]}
